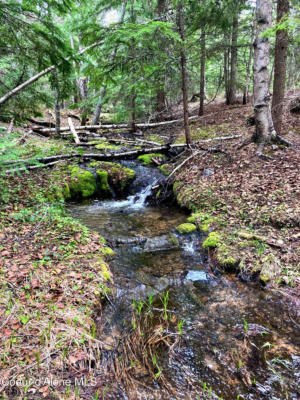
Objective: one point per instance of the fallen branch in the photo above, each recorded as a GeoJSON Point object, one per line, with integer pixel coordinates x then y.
{"type": "Point", "coordinates": [36, 77]}
{"type": "Point", "coordinates": [31, 167]}
{"type": "Point", "coordinates": [75, 136]}
{"type": "Point", "coordinates": [128, 126]}
{"type": "Point", "coordinates": [182, 164]}
{"type": "Point", "coordinates": [98, 156]}
{"type": "Point", "coordinates": [219, 138]}
{"type": "Point", "coordinates": [254, 236]}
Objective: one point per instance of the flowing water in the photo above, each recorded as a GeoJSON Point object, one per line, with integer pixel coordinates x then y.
{"type": "Point", "coordinates": [238, 339]}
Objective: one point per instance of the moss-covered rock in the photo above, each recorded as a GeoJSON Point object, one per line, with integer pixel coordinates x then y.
{"type": "Point", "coordinates": [107, 252]}
{"type": "Point", "coordinates": [213, 240]}
{"type": "Point", "coordinates": [186, 228]}
{"type": "Point", "coordinates": [173, 241]}
{"type": "Point", "coordinates": [113, 176]}
{"type": "Point", "coordinates": [226, 257]}
{"type": "Point", "coordinates": [165, 169]}
{"type": "Point", "coordinates": [271, 268]}
{"type": "Point", "coordinates": [146, 159]}
{"type": "Point", "coordinates": [103, 186]}
{"type": "Point", "coordinates": [202, 220]}
{"type": "Point", "coordinates": [82, 183]}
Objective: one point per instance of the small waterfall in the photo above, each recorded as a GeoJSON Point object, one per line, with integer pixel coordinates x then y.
{"type": "Point", "coordinates": [140, 198]}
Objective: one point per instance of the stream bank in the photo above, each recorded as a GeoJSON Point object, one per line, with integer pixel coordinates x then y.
{"type": "Point", "coordinates": [225, 338]}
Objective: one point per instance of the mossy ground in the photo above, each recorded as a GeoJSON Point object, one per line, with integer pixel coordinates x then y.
{"type": "Point", "coordinates": [53, 277]}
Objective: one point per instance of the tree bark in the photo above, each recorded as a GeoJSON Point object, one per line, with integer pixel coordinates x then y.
{"type": "Point", "coordinates": [103, 90]}
{"type": "Point", "coordinates": [202, 72]}
{"type": "Point", "coordinates": [281, 46]}
{"type": "Point", "coordinates": [265, 131]}
{"type": "Point", "coordinates": [184, 75]}
{"type": "Point", "coordinates": [233, 61]}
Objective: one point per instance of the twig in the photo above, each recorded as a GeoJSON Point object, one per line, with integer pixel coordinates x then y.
{"type": "Point", "coordinates": [184, 162]}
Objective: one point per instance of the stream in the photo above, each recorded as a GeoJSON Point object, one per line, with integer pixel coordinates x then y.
{"type": "Point", "coordinates": [238, 341]}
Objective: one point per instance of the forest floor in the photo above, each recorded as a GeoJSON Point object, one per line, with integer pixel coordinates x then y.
{"type": "Point", "coordinates": [252, 204]}
{"type": "Point", "coordinates": [53, 270]}
{"type": "Point", "coordinates": [54, 278]}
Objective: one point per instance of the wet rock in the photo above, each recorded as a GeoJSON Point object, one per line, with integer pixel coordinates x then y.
{"type": "Point", "coordinates": [196, 276]}
{"type": "Point", "coordinates": [161, 243]}
{"type": "Point", "coordinates": [128, 241]}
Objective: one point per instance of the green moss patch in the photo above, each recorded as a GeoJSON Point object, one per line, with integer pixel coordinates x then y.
{"type": "Point", "coordinates": [146, 159]}
{"type": "Point", "coordinates": [82, 183]}
{"type": "Point", "coordinates": [113, 176]}
{"type": "Point", "coordinates": [213, 240]}
{"type": "Point", "coordinates": [107, 146]}
{"type": "Point", "coordinates": [226, 257]}
{"type": "Point", "coordinates": [186, 228]}
{"type": "Point", "coordinates": [165, 169]}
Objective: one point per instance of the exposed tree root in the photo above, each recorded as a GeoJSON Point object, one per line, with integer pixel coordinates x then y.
{"type": "Point", "coordinates": [261, 145]}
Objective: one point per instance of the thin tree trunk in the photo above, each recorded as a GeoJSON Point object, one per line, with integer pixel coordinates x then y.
{"type": "Point", "coordinates": [233, 61]}
{"type": "Point", "coordinates": [226, 78]}
{"type": "Point", "coordinates": [103, 90]}
{"type": "Point", "coordinates": [76, 96]}
{"type": "Point", "coordinates": [45, 71]}
{"type": "Point", "coordinates": [246, 89]}
{"type": "Point", "coordinates": [57, 105]}
{"type": "Point", "coordinates": [202, 72]}
{"type": "Point", "coordinates": [184, 76]}
{"type": "Point", "coordinates": [263, 118]}
{"type": "Point", "coordinates": [160, 93]}
{"type": "Point", "coordinates": [281, 47]}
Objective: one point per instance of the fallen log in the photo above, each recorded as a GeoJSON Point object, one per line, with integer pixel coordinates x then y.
{"type": "Point", "coordinates": [126, 126]}
{"type": "Point", "coordinates": [98, 156]}
{"type": "Point", "coordinates": [41, 123]}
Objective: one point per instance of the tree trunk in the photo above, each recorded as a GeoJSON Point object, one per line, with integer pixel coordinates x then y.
{"type": "Point", "coordinates": [264, 125]}
{"type": "Point", "coordinates": [281, 47]}
{"type": "Point", "coordinates": [233, 61]}
{"type": "Point", "coordinates": [226, 63]}
{"type": "Point", "coordinates": [246, 89]}
{"type": "Point", "coordinates": [160, 94]}
{"type": "Point", "coordinates": [184, 75]}
{"type": "Point", "coordinates": [202, 72]}
{"type": "Point", "coordinates": [57, 105]}
{"type": "Point", "coordinates": [104, 87]}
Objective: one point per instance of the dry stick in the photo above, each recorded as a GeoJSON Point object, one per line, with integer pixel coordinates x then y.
{"type": "Point", "coordinates": [11, 126]}
{"type": "Point", "coordinates": [75, 136]}
{"type": "Point", "coordinates": [31, 167]}
{"type": "Point", "coordinates": [184, 162]}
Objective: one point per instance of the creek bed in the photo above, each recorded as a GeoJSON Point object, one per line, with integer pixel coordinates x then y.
{"type": "Point", "coordinates": [237, 338]}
